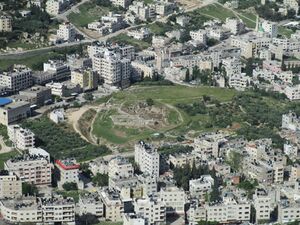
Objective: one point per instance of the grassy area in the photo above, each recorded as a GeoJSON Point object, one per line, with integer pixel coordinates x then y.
{"type": "Point", "coordinates": [89, 12]}
{"type": "Point", "coordinates": [19, 44]}
{"type": "Point", "coordinates": [109, 223]}
{"type": "Point", "coordinates": [123, 38]}
{"type": "Point", "coordinates": [62, 142]}
{"type": "Point", "coordinates": [31, 61]}
{"type": "Point", "coordinates": [286, 32]}
{"type": "Point", "coordinates": [104, 127]}
{"type": "Point", "coordinates": [217, 11]}
{"type": "Point", "coordinates": [5, 156]}
{"type": "Point", "coordinates": [159, 28]}
{"type": "Point", "coordinates": [164, 95]}
{"type": "Point", "coordinates": [72, 194]}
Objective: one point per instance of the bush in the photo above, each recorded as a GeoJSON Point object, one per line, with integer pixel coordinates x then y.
{"type": "Point", "coordinates": [29, 189]}
{"type": "Point", "coordinates": [70, 186]}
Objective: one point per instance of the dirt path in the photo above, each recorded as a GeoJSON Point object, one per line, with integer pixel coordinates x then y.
{"type": "Point", "coordinates": [4, 147]}
{"type": "Point", "coordinates": [74, 116]}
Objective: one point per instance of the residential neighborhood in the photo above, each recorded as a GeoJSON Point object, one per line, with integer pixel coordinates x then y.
{"type": "Point", "coordinates": [150, 112]}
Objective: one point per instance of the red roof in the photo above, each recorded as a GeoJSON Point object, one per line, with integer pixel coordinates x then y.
{"type": "Point", "coordinates": [67, 167]}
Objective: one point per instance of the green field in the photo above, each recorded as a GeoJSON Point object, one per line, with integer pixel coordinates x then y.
{"type": "Point", "coordinates": [5, 156]}
{"type": "Point", "coordinates": [217, 11]}
{"type": "Point", "coordinates": [162, 95]}
{"type": "Point", "coordinates": [138, 44]}
{"type": "Point", "coordinates": [89, 12]}
{"type": "Point", "coordinates": [286, 32]}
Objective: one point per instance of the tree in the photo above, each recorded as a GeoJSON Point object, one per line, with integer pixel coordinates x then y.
{"type": "Point", "coordinates": [187, 75]}
{"type": "Point", "coordinates": [100, 180]}
{"type": "Point", "coordinates": [88, 96]}
{"type": "Point", "coordinates": [29, 189]}
{"type": "Point", "coordinates": [149, 101]}
{"type": "Point", "coordinates": [70, 186]}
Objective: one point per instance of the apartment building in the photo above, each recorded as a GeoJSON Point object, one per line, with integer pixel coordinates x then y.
{"type": "Point", "coordinates": [68, 172]}
{"type": "Point", "coordinates": [148, 184]}
{"type": "Point", "coordinates": [112, 67]}
{"type": "Point", "coordinates": [31, 168]}
{"type": "Point", "coordinates": [99, 165]}
{"type": "Point", "coordinates": [292, 92]}
{"type": "Point", "coordinates": [262, 205]}
{"type": "Point", "coordinates": [147, 157]}
{"type": "Point", "coordinates": [232, 208]}
{"type": "Point", "coordinates": [11, 112]}
{"type": "Point", "coordinates": [66, 32]}
{"type": "Point", "coordinates": [199, 188]}
{"type": "Point", "coordinates": [20, 210]}
{"type": "Point", "coordinates": [288, 211]}
{"type": "Point", "coordinates": [55, 7]}
{"type": "Point", "coordinates": [207, 144]}
{"type": "Point", "coordinates": [142, 11]}
{"type": "Point", "coordinates": [58, 210]}
{"type": "Point", "coordinates": [236, 26]}
{"type": "Point", "coordinates": [182, 159]}
{"type": "Point", "coordinates": [113, 206]}
{"type": "Point", "coordinates": [38, 210]}
{"type": "Point", "coordinates": [239, 81]}
{"type": "Point", "coordinates": [133, 219]}
{"type": "Point", "coordinates": [36, 95]}
{"type": "Point", "coordinates": [295, 173]}
{"type": "Point", "coordinates": [199, 36]}
{"type": "Point", "coordinates": [271, 28]}
{"type": "Point", "coordinates": [20, 137]}
{"type": "Point", "coordinates": [123, 3]}
{"type": "Point", "coordinates": [196, 213]}
{"type": "Point", "coordinates": [64, 89]}
{"type": "Point", "coordinates": [10, 185]}
{"type": "Point", "coordinates": [5, 23]}
{"type": "Point", "coordinates": [90, 204]}
{"type": "Point", "coordinates": [120, 168]}
{"type": "Point", "coordinates": [59, 69]}
{"type": "Point", "coordinates": [152, 209]}
{"type": "Point", "coordinates": [57, 116]}
{"type": "Point", "coordinates": [18, 79]}
{"type": "Point", "coordinates": [174, 199]}
{"type": "Point", "coordinates": [87, 79]}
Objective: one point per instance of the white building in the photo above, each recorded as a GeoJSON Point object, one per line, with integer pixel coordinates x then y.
{"type": "Point", "coordinates": [231, 209]}
{"type": "Point", "coordinates": [290, 121]}
{"type": "Point", "coordinates": [55, 7]}
{"type": "Point", "coordinates": [57, 116]}
{"type": "Point", "coordinates": [120, 168]}
{"type": "Point", "coordinates": [38, 210]}
{"type": "Point", "coordinates": [114, 69]}
{"type": "Point", "coordinates": [239, 82]}
{"type": "Point", "coordinates": [288, 211]}
{"type": "Point", "coordinates": [292, 92]}
{"type": "Point", "coordinates": [90, 204]}
{"type": "Point", "coordinates": [18, 79]}
{"type": "Point", "coordinates": [151, 209]}
{"type": "Point", "coordinates": [199, 36]}
{"type": "Point", "coordinates": [113, 206]}
{"type": "Point", "coordinates": [59, 69]}
{"type": "Point", "coordinates": [133, 219]}
{"type": "Point", "coordinates": [5, 23]}
{"type": "Point", "coordinates": [174, 199]}
{"type": "Point", "coordinates": [69, 172]}
{"type": "Point", "coordinates": [10, 185]}
{"type": "Point", "coordinates": [66, 32]}
{"type": "Point", "coordinates": [236, 26]}
{"type": "Point", "coordinates": [147, 157]}
{"type": "Point", "coordinates": [20, 137]}
{"type": "Point", "coordinates": [262, 205]}
{"type": "Point", "coordinates": [31, 168]}
{"type": "Point", "coordinates": [123, 3]}
{"type": "Point", "coordinates": [200, 188]}
{"type": "Point", "coordinates": [271, 28]}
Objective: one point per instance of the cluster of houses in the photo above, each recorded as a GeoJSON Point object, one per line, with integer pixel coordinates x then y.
{"type": "Point", "coordinates": [151, 194]}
